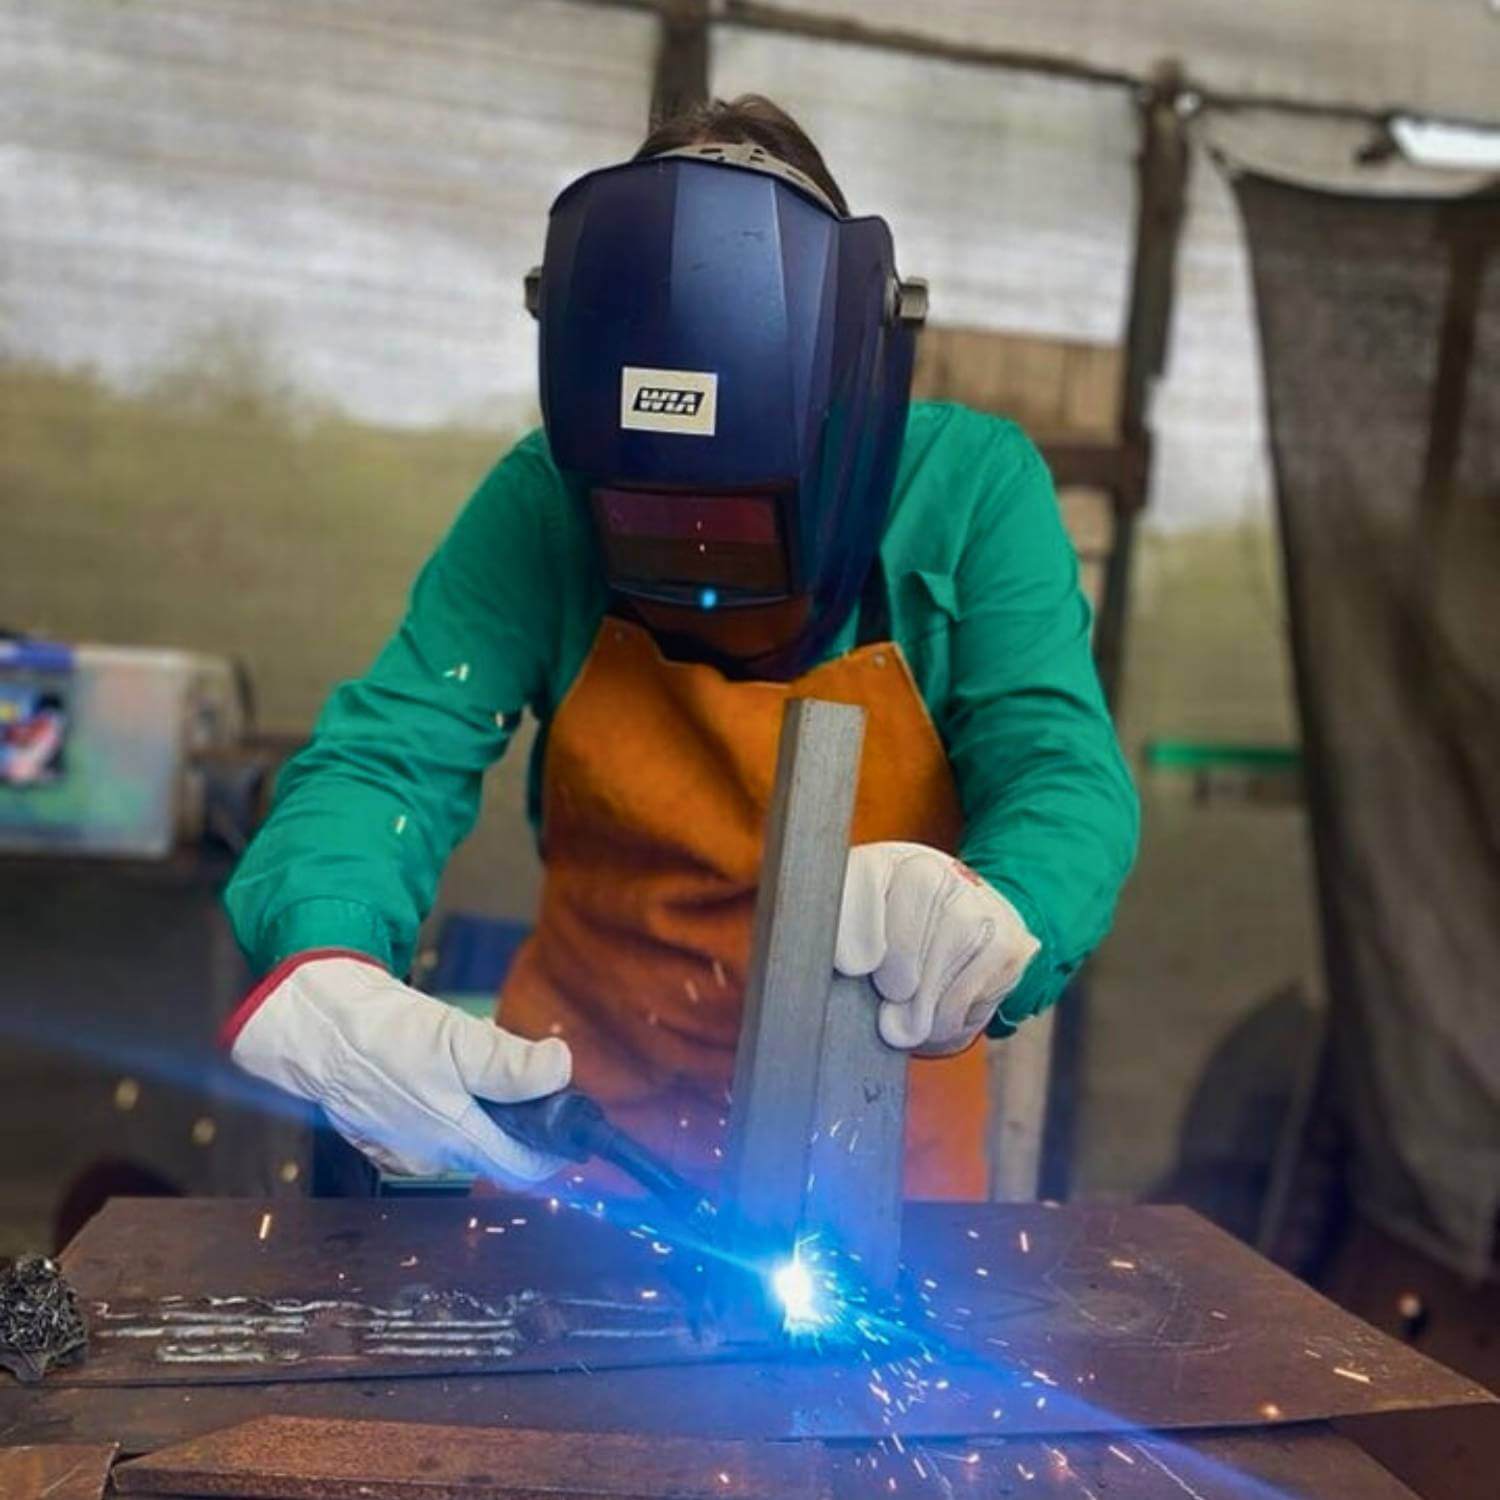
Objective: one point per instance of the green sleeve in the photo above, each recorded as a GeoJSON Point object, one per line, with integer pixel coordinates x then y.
{"type": "Point", "coordinates": [1051, 817]}
{"type": "Point", "coordinates": [367, 814]}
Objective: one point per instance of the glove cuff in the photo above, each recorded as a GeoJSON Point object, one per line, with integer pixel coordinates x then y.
{"type": "Point", "coordinates": [239, 1018]}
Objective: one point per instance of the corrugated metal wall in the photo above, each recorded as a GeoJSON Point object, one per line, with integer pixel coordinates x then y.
{"type": "Point", "coordinates": [358, 184]}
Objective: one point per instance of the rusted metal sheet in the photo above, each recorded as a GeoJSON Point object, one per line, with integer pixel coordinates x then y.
{"type": "Point", "coordinates": [1034, 1320]}
{"type": "Point", "coordinates": [56, 1471]}
{"type": "Point", "coordinates": [289, 1459]}
{"type": "Point", "coordinates": [292, 1458]}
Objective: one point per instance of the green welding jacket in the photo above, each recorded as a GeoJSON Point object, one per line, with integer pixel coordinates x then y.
{"type": "Point", "coordinates": [984, 602]}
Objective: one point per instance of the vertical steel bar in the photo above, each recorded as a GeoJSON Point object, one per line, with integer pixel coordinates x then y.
{"type": "Point", "coordinates": [818, 1112]}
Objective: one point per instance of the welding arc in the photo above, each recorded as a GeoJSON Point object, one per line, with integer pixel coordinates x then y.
{"type": "Point", "coordinates": [572, 1125]}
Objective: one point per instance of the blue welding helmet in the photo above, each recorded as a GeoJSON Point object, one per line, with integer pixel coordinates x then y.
{"type": "Point", "coordinates": [725, 366]}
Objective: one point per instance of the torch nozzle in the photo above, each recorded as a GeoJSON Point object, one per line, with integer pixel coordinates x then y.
{"type": "Point", "coordinates": [572, 1125]}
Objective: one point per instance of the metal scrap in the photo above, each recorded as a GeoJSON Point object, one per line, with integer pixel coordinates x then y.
{"type": "Point", "coordinates": [40, 1325]}
{"type": "Point", "coordinates": [296, 1459]}
{"type": "Point", "coordinates": [289, 1458]}
{"type": "Point", "coordinates": [56, 1471]}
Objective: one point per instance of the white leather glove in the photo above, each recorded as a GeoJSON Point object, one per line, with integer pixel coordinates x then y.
{"type": "Point", "coordinates": [942, 947]}
{"type": "Point", "coordinates": [396, 1071]}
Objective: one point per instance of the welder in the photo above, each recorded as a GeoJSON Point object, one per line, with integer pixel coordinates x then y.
{"type": "Point", "coordinates": [733, 501]}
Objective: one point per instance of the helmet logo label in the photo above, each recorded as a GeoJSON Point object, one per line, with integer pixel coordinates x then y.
{"type": "Point", "coordinates": [683, 401]}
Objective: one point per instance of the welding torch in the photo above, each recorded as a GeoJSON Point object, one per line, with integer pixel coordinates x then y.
{"type": "Point", "coordinates": [572, 1125]}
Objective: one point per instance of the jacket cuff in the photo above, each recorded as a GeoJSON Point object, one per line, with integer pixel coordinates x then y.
{"type": "Point", "coordinates": [240, 1016]}
{"type": "Point", "coordinates": [1041, 981]}
{"type": "Point", "coordinates": [324, 922]}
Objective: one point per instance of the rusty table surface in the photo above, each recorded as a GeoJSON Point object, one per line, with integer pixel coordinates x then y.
{"type": "Point", "coordinates": [1039, 1320]}
{"type": "Point", "coordinates": [277, 1458]}
{"type": "Point", "coordinates": [55, 1471]}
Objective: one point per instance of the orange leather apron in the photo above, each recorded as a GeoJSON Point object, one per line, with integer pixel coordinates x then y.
{"type": "Point", "coordinates": [656, 785]}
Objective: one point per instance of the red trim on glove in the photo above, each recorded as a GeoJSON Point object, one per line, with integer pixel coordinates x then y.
{"type": "Point", "coordinates": [230, 1030]}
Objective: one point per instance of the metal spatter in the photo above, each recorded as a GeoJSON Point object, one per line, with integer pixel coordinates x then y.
{"type": "Point", "coordinates": [40, 1325]}
{"type": "Point", "coordinates": [428, 1325]}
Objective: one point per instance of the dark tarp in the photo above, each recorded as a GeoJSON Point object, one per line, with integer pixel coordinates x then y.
{"type": "Point", "coordinates": [1380, 326]}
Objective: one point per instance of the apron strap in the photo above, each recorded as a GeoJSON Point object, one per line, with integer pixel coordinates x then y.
{"type": "Point", "coordinates": [874, 607]}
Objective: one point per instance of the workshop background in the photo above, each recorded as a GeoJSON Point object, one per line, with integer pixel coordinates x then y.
{"type": "Point", "coordinates": [261, 332]}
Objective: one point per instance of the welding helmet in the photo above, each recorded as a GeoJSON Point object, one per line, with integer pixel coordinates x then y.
{"type": "Point", "coordinates": [725, 368]}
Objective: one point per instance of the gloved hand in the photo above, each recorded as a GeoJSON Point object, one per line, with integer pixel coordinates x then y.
{"type": "Point", "coordinates": [942, 947]}
{"type": "Point", "coordinates": [396, 1071]}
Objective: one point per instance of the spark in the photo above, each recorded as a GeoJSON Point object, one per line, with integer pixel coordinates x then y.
{"type": "Point", "coordinates": [265, 1226]}
{"type": "Point", "coordinates": [797, 1291]}
{"type": "Point", "coordinates": [1171, 1474]}
{"type": "Point", "coordinates": [410, 1260]}
{"type": "Point", "coordinates": [1122, 1455]}
{"type": "Point", "coordinates": [1024, 1240]}
{"type": "Point", "coordinates": [649, 1294]}
{"type": "Point", "coordinates": [973, 1234]}
{"type": "Point", "coordinates": [473, 1223]}
{"type": "Point", "coordinates": [1351, 1374]}
{"type": "Point", "coordinates": [494, 1228]}
{"type": "Point", "coordinates": [1123, 1265]}
{"type": "Point", "coordinates": [518, 1221]}
{"type": "Point", "coordinates": [723, 1477]}
{"type": "Point", "coordinates": [1271, 1412]}
{"type": "Point", "coordinates": [981, 1270]}
{"type": "Point", "coordinates": [127, 1094]}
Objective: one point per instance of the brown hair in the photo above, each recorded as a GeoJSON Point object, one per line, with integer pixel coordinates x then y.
{"type": "Point", "coordinates": [750, 118]}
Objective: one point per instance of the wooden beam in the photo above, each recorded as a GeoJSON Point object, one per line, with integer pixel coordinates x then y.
{"type": "Point", "coordinates": [1161, 198]}
{"type": "Point", "coordinates": [842, 29]}
{"type": "Point", "coordinates": [1120, 468]}
{"type": "Point", "coordinates": [681, 79]}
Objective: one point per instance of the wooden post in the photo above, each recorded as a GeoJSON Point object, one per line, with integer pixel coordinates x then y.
{"type": "Point", "coordinates": [1161, 200]}
{"type": "Point", "coordinates": [681, 58]}
{"type": "Point", "coordinates": [818, 1111]}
